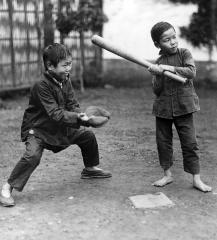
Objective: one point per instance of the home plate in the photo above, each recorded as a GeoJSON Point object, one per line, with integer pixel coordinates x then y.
{"type": "Point", "coordinates": [158, 199]}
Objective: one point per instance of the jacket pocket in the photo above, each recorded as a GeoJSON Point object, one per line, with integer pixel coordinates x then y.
{"type": "Point", "coordinates": [188, 104]}
{"type": "Point", "coordinates": [186, 91]}
{"type": "Point", "coordinates": [162, 107]}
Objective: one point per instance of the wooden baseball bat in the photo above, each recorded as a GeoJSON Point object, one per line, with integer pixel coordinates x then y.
{"type": "Point", "coordinates": [103, 43]}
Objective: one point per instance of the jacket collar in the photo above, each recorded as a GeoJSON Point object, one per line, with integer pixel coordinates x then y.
{"type": "Point", "coordinates": [162, 53]}
{"type": "Point", "coordinates": [54, 79]}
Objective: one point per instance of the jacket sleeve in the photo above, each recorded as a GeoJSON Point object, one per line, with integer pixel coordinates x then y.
{"type": "Point", "coordinates": [157, 81]}
{"type": "Point", "coordinates": [189, 69]}
{"type": "Point", "coordinates": [46, 100]}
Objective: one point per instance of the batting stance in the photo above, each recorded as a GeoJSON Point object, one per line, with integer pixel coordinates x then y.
{"type": "Point", "coordinates": [175, 103]}
{"type": "Point", "coordinates": [52, 121]}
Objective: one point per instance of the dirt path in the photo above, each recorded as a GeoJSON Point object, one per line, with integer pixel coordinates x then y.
{"type": "Point", "coordinates": [56, 204]}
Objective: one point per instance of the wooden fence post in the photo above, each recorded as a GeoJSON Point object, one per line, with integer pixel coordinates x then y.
{"type": "Point", "coordinates": [27, 38]}
{"type": "Point", "coordinates": [99, 51]}
{"type": "Point", "coordinates": [60, 5]}
{"type": "Point", "coordinates": [48, 23]}
{"type": "Point", "coordinates": [82, 60]}
{"type": "Point", "coordinates": [13, 68]}
{"type": "Point", "coordinates": [38, 33]}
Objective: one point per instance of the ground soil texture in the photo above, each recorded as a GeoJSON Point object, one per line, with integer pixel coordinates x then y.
{"type": "Point", "coordinates": [57, 204]}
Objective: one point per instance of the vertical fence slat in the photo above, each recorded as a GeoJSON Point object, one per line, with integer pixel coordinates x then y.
{"type": "Point", "coordinates": [13, 69]}
{"type": "Point", "coordinates": [25, 31]}
{"type": "Point", "coordinates": [48, 23]}
{"type": "Point", "coordinates": [37, 23]}
{"type": "Point", "coordinates": [59, 11]}
{"type": "Point", "coordinates": [27, 39]}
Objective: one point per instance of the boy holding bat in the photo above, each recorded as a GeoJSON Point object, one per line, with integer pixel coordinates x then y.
{"type": "Point", "coordinates": [175, 103]}
{"type": "Point", "coordinates": [52, 121]}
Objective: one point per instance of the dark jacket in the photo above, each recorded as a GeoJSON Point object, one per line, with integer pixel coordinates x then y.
{"type": "Point", "coordinates": [172, 97]}
{"type": "Point", "coordinates": [52, 112]}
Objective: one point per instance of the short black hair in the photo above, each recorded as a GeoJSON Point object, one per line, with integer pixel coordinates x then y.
{"type": "Point", "coordinates": [54, 53]}
{"type": "Point", "coordinates": [158, 29]}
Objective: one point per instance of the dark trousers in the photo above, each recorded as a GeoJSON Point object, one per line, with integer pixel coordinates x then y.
{"type": "Point", "coordinates": [85, 139]}
{"type": "Point", "coordinates": [186, 131]}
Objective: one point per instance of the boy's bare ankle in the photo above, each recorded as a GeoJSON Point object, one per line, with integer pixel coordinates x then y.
{"type": "Point", "coordinates": [167, 173]}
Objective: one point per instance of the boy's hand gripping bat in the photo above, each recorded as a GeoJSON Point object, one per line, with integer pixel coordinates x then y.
{"type": "Point", "coordinates": [103, 43]}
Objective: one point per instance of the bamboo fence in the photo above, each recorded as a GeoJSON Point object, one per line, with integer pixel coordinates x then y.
{"type": "Point", "coordinates": [22, 34]}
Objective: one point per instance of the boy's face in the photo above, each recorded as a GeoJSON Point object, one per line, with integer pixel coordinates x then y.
{"type": "Point", "coordinates": [168, 41]}
{"type": "Point", "coordinates": [63, 68]}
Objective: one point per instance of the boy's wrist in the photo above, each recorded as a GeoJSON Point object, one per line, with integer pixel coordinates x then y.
{"type": "Point", "coordinates": [83, 116]}
{"type": "Point", "coordinates": [83, 119]}
{"type": "Point", "coordinates": [172, 69]}
{"type": "Point", "coordinates": [155, 69]}
{"type": "Point", "coordinates": [167, 68]}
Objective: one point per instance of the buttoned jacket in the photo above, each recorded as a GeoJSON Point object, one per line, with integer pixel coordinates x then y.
{"type": "Point", "coordinates": [52, 112]}
{"type": "Point", "coordinates": [174, 98]}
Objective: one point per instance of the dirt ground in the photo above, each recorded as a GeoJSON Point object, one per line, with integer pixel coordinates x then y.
{"type": "Point", "coordinates": [56, 204]}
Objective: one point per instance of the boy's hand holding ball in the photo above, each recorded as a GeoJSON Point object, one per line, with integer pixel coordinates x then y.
{"type": "Point", "coordinates": [83, 116]}
{"type": "Point", "coordinates": [94, 117]}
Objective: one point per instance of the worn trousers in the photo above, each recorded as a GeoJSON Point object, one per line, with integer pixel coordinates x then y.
{"type": "Point", "coordinates": [84, 138]}
{"type": "Point", "coordinates": [186, 132]}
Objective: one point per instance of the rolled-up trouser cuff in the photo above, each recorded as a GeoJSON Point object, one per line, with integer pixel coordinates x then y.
{"type": "Point", "coordinates": [193, 168]}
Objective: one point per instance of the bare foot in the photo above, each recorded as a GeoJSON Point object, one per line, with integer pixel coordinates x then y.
{"type": "Point", "coordinates": [163, 181]}
{"type": "Point", "coordinates": [201, 186]}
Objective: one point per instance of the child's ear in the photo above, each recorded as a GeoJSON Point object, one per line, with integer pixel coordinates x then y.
{"type": "Point", "coordinates": [49, 65]}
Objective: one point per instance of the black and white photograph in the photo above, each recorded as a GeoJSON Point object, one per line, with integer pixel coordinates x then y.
{"type": "Point", "coordinates": [108, 119]}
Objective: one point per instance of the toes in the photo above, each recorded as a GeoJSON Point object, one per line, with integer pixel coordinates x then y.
{"type": "Point", "coordinates": [158, 184]}
{"type": "Point", "coordinates": [208, 189]}
{"type": "Point", "coordinates": [162, 182]}
{"type": "Point", "coordinates": [204, 188]}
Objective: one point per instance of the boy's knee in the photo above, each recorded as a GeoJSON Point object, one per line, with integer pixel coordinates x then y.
{"type": "Point", "coordinates": [190, 146]}
{"type": "Point", "coordinates": [90, 135]}
{"type": "Point", "coordinates": [33, 158]}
